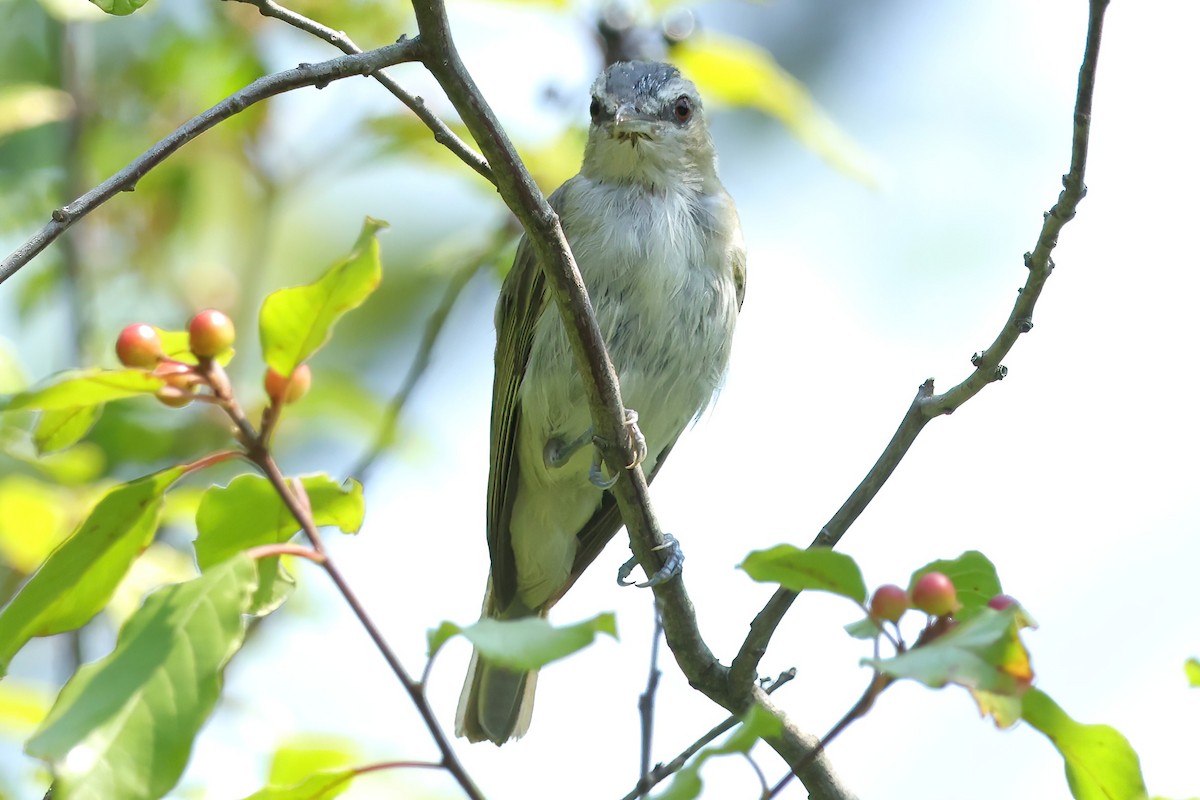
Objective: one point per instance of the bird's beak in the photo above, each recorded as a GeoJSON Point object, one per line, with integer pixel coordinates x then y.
{"type": "Point", "coordinates": [629, 123]}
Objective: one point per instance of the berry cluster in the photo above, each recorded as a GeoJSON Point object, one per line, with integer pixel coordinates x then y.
{"type": "Point", "coordinates": [933, 593]}
{"type": "Point", "coordinates": [210, 335]}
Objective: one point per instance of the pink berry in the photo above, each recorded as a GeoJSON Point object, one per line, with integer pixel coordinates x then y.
{"type": "Point", "coordinates": [1002, 601]}
{"type": "Point", "coordinates": [934, 594]}
{"type": "Point", "coordinates": [889, 602]}
{"type": "Point", "coordinates": [138, 345]}
{"type": "Point", "coordinates": [210, 333]}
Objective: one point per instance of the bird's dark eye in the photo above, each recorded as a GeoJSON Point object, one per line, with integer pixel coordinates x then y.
{"type": "Point", "coordinates": [594, 109]}
{"type": "Point", "coordinates": [683, 108]}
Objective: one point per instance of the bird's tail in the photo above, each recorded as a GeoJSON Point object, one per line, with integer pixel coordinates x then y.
{"type": "Point", "coordinates": [496, 703]}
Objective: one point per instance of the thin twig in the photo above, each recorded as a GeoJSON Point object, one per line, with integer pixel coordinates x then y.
{"type": "Point", "coordinates": [125, 180]}
{"type": "Point", "coordinates": [646, 706]}
{"type": "Point", "coordinates": [441, 131]}
{"type": "Point", "coordinates": [297, 504]}
{"type": "Point", "coordinates": [423, 358]}
{"type": "Point", "coordinates": [878, 683]}
{"type": "Point", "coordinates": [664, 771]}
{"type": "Point", "coordinates": [988, 368]}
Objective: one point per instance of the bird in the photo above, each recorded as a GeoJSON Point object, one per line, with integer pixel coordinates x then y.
{"type": "Point", "coordinates": [659, 245]}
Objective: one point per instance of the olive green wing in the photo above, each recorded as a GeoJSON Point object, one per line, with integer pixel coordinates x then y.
{"type": "Point", "coordinates": [523, 299]}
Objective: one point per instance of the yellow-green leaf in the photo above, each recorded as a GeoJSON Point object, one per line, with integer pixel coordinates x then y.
{"type": "Point", "coordinates": [84, 387]}
{"type": "Point", "coordinates": [79, 577]}
{"type": "Point", "coordinates": [736, 72]}
{"type": "Point", "coordinates": [294, 323]}
{"type": "Point", "coordinates": [1099, 761]}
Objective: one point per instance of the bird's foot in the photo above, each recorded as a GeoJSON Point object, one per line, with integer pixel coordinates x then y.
{"type": "Point", "coordinates": [637, 442]}
{"type": "Point", "coordinates": [596, 474]}
{"type": "Point", "coordinates": [557, 453]}
{"type": "Point", "coordinates": [672, 565]}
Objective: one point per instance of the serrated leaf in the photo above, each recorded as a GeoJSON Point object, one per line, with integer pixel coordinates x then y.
{"type": "Point", "coordinates": [1100, 763]}
{"type": "Point", "coordinates": [124, 726]}
{"type": "Point", "coordinates": [1191, 668]}
{"type": "Point", "coordinates": [739, 73]}
{"type": "Point", "coordinates": [78, 578]}
{"type": "Point", "coordinates": [58, 429]}
{"type": "Point", "coordinates": [974, 578]}
{"type": "Point", "coordinates": [294, 323]}
{"type": "Point", "coordinates": [758, 724]}
{"type": "Point", "coordinates": [249, 512]}
{"type": "Point", "coordinates": [524, 644]}
{"type": "Point", "coordinates": [84, 387]}
{"type": "Point", "coordinates": [982, 654]}
{"type": "Point", "coordinates": [817, 568]}
{"type": "Point", "coordinates": [119, 8]}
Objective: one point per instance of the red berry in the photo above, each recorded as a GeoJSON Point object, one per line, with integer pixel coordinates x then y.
{"type": "Point", "coordinates": [283, 390]}
{"type": "Point", "coordinates": [934, 594]}
{"type": "Point", "coordinates": [1002, 601]}
{"type": "Point", "coordinates": [138, 345]}
{"type": "Point", "coordinates": [889, 602]}
{"type": "Point", "coordinates": [210, 333]}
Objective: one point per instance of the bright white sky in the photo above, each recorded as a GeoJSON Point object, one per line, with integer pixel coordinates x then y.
{"type": "Point", "coordinates": [1076, 475]}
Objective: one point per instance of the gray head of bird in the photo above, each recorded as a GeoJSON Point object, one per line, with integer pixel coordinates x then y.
{"type": "Point", "coordinates": [648, 127]}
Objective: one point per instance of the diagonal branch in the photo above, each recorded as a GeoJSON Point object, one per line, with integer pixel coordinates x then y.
{"type": "Point", "coordinates": [988, 367]}
{"type": "Point", "coordinates": [125, 180]}
{"type": "Point", "coordinates": [545, 235]}
{"type": "Point", "coordinates": [441, 131]}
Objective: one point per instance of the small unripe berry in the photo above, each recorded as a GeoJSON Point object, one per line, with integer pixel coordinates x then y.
{"type": "Point", "coordinates": [177, 374]}
{"type": "Point", "coordinates": [175, 398]}
{"type": "Point", "coordinates": [1001, 602]}
{"type": "Point", "coordinates": [281, 390]}
{"type": "Point", "coordinates": [889, 602]}
{"type": "Point", "coordinates": [210, 333]}
{"type": "Point", "coordinates": [138, 345]}
{"type": "Point", "coordinates": [934, 594]}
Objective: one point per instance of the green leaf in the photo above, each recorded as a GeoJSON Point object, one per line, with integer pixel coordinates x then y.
{"type": "Point", "coordinates": [84, 387]}
{"type": "Point", "coordinates": [524, 644]}
{"type": "Point", "coordinates": [119, 8]}
{"type": "Point", "coordinates": [28, 105]}
{"type": "Point", "coordinates": [817, 568]}
{"type": "Point", "coordinates": [123, 726]}
{"type": "Point", "coordinates": [79, 577]}
{"type": "Point", "coordinates": [758, 724]}
{"type": "Point", "coordinates": [865, 628]}
{"type": "Point", "coordinates": [1191, 668]}
{"type": "Point", "coordinates": [22, 706]}
{"type": "Point", "coordinates": [320, 786]}
{"type": "Point", "coordinates": [310, 768]}
{"type": "Point", "coordinates": [294, 323]}
{"type": "Point", "coordinates": [1099, 761]}
{"type": "Point", "coordinates": [974, 578]}
{"type": "Point", "coordinates": [176, 345]}
{"type": "Point", "coordinates": [738, 73]}
{"type": "Point", "coordinates": [249, 512]}
{"type": "Point", "coordinates": [35, 519]}
{"type": "Point", "coordinates": [60, 428]}
{"type": "Point", "coordinates": [984, 654]}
